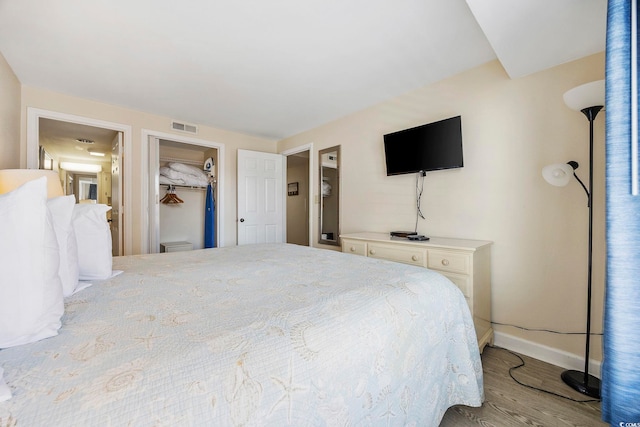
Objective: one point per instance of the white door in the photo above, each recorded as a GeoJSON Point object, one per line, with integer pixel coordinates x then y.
{"type": "Point", "coordinates": [260, 198]}
{"type": "Point", "coordinates": [117, 181]}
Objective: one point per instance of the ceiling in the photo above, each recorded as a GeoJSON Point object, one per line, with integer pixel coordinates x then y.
{"type": "Point", "coordinates": [276, 68]}
{"type": "Point", "coordinates": [73, 142]}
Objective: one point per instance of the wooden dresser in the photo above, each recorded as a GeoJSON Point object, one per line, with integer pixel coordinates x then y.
{"type": "Point", "coordinates": [467, 263]}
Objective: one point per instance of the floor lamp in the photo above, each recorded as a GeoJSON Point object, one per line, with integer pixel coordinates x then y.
{"type": "Point", "coordinates": [589, 99]}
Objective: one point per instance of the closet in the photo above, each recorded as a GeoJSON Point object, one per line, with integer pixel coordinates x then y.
{"type": "Point", "coordinates": [183, 208]}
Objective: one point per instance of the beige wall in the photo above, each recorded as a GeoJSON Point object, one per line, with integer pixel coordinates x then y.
{"type": "Point", "coordinates": [52, 101]}
{"type": "Point", "coordinates": [511, 129]}
{"type": "Point", "coordinates": [9, 117]}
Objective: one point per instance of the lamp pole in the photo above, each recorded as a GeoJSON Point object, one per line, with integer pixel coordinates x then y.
{"type": "Point", "coordinates": [582, 381]}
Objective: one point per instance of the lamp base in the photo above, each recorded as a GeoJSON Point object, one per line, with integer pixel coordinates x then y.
{"type": "Point", "coordinates": [576, 380]}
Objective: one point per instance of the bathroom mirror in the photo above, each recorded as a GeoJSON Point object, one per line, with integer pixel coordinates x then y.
{"type": "Point", "coordinates": [329, 195]}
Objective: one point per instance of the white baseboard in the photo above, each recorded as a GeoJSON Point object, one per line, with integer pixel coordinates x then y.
{"type": "Point", "coordinates": [546, 354]}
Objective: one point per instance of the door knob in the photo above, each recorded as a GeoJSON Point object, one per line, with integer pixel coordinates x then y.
{"type": "Point", "coordinates": [241, 219]}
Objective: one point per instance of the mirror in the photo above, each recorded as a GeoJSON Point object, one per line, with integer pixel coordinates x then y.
{"type": "Point", "coordinates": [86, 188]}
{"type": "Point", "coordinates": [329, 161]}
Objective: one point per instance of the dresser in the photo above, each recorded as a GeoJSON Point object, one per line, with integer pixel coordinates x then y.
{"type": "Point", "coordinates": [467, 263]}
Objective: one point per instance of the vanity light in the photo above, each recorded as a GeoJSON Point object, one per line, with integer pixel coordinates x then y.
{"type": "Point", "coordinates": [96, 153]}
{"type": "Point", "coordinates": [80, 167]}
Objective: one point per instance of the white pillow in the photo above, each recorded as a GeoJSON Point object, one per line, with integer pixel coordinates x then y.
{"type": "Point", "coordinates": [61, 209]}
{"type": "Point", "coordinates": [93, 236]}
{"type": "Point", "coordinates": [188, 169]}
{"type": "Point", "coordinates": [31, 302]}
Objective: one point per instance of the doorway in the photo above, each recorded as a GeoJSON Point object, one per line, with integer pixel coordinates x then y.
{"type": "Point", "coordinates": [82, 155]}
{"type": "Point", "coordinates": [182, 149]}
{"type": "Point", "coordinates": [299, 194]}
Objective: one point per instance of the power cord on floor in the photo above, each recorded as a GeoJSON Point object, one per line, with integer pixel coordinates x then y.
{"type": "Point", "coordinates": [544, 330]}
{"type": "Point", "coordinates": [522, 364]}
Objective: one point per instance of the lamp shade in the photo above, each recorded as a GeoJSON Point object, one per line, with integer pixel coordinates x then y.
{"type": "Point", "coordinates": [558, 174]}
{"type": "Point", "coordinates": [585, 96]}
{"type": "Point", "coordinates": [10, 179]}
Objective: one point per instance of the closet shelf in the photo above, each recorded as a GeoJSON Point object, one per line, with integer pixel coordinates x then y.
{"type": "Point", "coordinates": [197, 163]}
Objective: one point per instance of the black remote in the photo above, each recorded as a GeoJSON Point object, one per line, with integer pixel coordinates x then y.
{"type": "Point", "coordinates": [417, 237]}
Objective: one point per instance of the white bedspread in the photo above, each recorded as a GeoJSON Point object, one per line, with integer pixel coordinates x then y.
{"type": "Point", "coordinates": [262, 335]}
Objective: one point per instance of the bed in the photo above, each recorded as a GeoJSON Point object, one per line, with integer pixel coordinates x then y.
{"type": "Point", "coordinates": [256, 335]}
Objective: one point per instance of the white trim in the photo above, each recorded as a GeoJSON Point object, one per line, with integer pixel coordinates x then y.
{"type": "Point", "coordinates": [300, 149]}
{"type": "Point", "coordinates": [33, 137]}
{"type": "Point", "coordinates": [220, 169]}
{"type": "Point", "coordinates": [283, 192]}
{"type": "Point", "coordinates": [546, 354]}
{"type": "Point", "coordinates": [152, 195]}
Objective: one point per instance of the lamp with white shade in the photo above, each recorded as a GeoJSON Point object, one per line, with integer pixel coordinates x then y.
{"type": "Point", "coordinates": [559, 174]}
{"type": "Point", "coordinates": [588, 99]}
{"type": "Point", "coordinates": [10, 179]}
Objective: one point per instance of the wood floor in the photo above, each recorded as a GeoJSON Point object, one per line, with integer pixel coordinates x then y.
{"type": "Point", "coordinates": [510, 404]}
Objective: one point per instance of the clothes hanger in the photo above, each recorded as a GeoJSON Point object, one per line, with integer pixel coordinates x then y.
{"type": "Point", "coordinates": [171, 197]}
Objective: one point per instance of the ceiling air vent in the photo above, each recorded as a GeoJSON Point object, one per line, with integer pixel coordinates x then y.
{"type": "Point", "coordinates": [184, 127]}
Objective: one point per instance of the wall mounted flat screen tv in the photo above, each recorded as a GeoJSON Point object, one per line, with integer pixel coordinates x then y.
{"type": "Point", "coordinates": [429, 147]}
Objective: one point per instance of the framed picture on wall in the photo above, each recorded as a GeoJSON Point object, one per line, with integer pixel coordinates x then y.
{"type": "Point", "coordinates": [292, 189]}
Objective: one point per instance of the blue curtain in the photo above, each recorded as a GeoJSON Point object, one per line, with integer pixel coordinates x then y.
{"type": "Point", "coordinates": [621, 362]}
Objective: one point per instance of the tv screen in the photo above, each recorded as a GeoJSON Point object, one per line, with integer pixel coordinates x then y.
{"type": "Point", "coordinates": [429, 147]}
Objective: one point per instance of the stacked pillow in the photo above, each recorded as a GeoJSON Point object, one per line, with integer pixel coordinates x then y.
{"type": "Point", "coordinates": [47, 246]}
{"type": "Point", "coordinates": [31, 301]}
{"type": "Point", "coordinates": [30, 295]}
{"type": "Point", "coordinates": [61, 209]}
{"type": "Point", "coordinates": [93, 235]}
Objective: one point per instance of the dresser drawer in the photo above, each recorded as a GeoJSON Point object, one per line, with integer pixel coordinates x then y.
{"type": "Point", "coordinates": [354, 247]}
{"type": "Point", "coordinates": [449, 261]}
{"type": "Point", "coordinates": [461, 281]}
{"type": "Point", "coordinates": [408, 255]}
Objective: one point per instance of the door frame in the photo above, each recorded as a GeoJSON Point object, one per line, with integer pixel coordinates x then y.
{"type": "Point", "coordinates": [33, 141]}
{"type": "Point", "coordinates": [147, 135]}
{"type": "Point", "coordinates": [295, 150]}
{"type": "Point", "coordinates": [116, 220]}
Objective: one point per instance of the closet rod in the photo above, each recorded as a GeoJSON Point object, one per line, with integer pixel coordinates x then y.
{"type": "Point", "coordinates": [184, 187]}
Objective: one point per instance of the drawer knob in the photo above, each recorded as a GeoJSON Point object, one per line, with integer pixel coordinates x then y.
{"type": "Point", "coordinates": [445, 262]}
{"type": "Point", "coordinates": [372, 252]}
{"type": "Point", "coordinates": [352, 248]}
{"type": "Point", "coordinates": [414, 258]}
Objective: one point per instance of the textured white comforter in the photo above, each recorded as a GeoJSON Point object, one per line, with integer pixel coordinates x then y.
{"type": "Point", "coordinates": [262, 335]}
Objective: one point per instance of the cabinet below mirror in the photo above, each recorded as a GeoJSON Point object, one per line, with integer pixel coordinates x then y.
{"type": "Point", "coordinates": [329, 161]}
